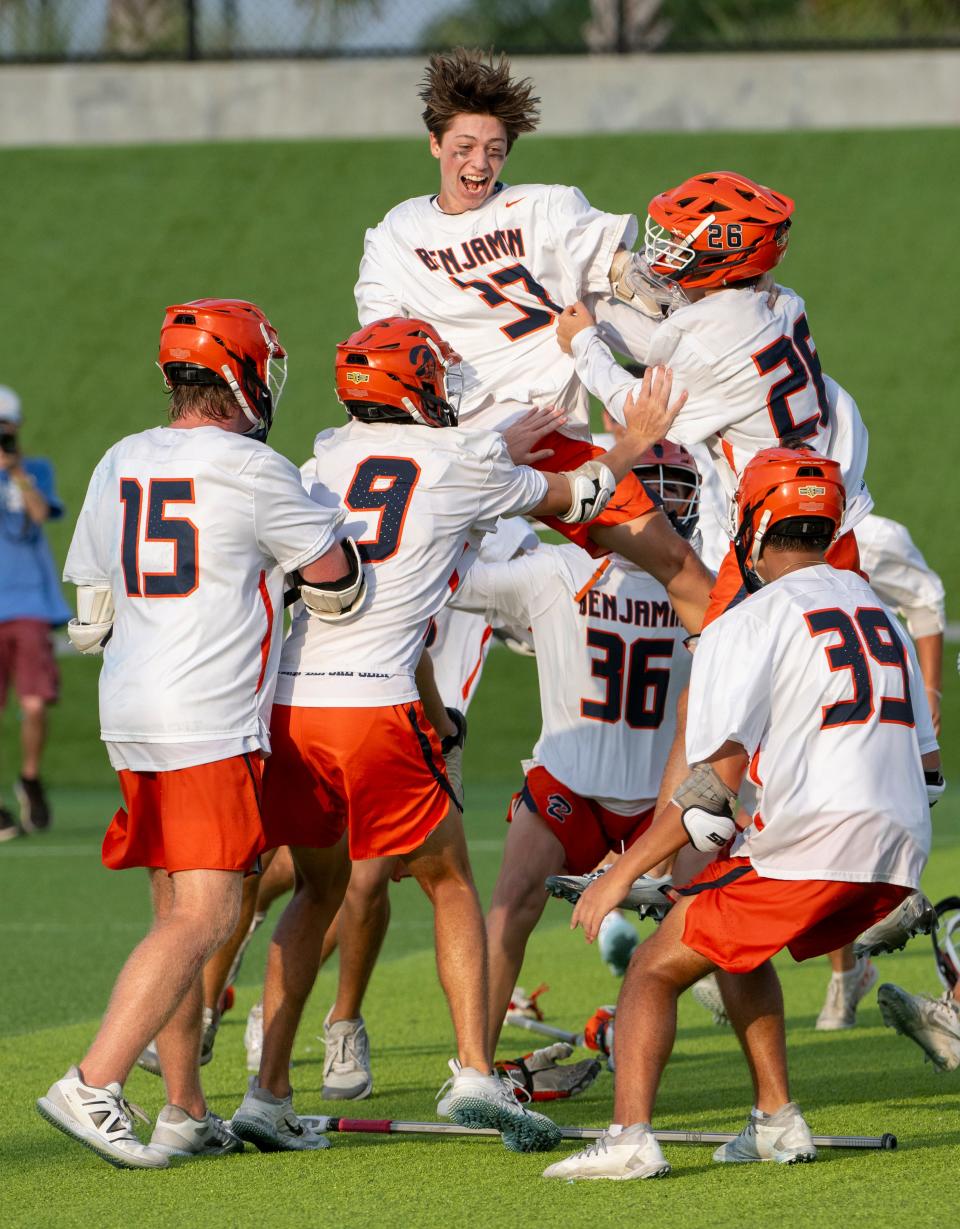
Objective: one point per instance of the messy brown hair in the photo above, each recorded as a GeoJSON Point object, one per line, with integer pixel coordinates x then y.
{"type": "Point", "coordinates": [472, 82]}
{"type": "Point", "coordinates": [213, 401]}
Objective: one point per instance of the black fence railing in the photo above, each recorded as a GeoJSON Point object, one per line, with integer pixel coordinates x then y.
{"type": "Point", "coordinates": [74, 30]}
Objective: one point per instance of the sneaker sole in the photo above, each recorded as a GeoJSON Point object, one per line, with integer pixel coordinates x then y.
{"type": "Point", "coordinates": [660, 1172]}
{"type": "Point", "coordinates": [9, 834]}
{"type": "Point", "coordinates": [797, 1158]}
{"type": "Point", "coordinates": [169, 1151]}
{"type": "Point", "coordinates": [520, 1133]}
{"type": "Point", "coordinates": [890, 1013]}
{"type": "Point", "coordinates": [46, 1109]}
{"type": "Point", "coordinates": [347, 1094]}
{"type": "Point", "coordinates": [253, 1132]}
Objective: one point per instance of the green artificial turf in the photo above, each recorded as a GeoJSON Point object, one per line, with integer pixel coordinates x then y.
{"type": "Point", "coordinates": [98, 242]}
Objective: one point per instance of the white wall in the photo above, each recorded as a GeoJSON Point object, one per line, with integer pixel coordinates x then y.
{"type": "Point", "coordinates": [109, 104]}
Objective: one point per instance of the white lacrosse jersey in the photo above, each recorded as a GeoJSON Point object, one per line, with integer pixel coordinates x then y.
{"type": "Point", "coordinates": [815, 679]}
{"type": "Point", "coordinates": [461, 639]}
{"type": "Point", "coordinates": [901, 576]}
{"type": "Point", "coordinates": [418, 501]}
{"type": "Point", "coordinates": [193, 529]}
{"type": "Point", "coordinates": [753, 378]}
{"type": "Point", "coordinates": [611, 664]}
{"type": "Point", "coordinates": [492, 281]}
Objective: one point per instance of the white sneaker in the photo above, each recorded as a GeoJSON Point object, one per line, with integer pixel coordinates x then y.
{"type": "Point", "coordinates": [646, 895]}
{"type": "Point", "coordinates": [253, 1036]}
{"type": "Point", "coordinates": [99, 1118]}
{"type": "Point", "coordinates": [914, 916]}
{"type": "Point", "coordinates": [179, 1134]}
{"type": "Point", "coordinates": [620, 1154]}
{"type": "Point", "coordinates": [346, 1064]}
{"type": "Point", "coordinates": [934, 1024]}
{"type": "Point", "coordinates": [475, 1100]}
{"type": "Point", "coordinates": [616, 940]}
{"type": "Point", "coordinates": [707, 994]}
{"type": "Point", "coordinates": [270, 1124]}
{"type": "Point", "coordinates": [843, 994]}
{"type": "Point", "coordinates": [149, 1060]}
{"type": "Point", "coordinates": [783, 1137]}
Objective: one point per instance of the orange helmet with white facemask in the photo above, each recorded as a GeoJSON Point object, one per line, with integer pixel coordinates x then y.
{"type": "Point", "coordinates": [796, 493]}
{"type": "Point", "coordinates": [227, 342]}
{"type": "Point", "coordinates": [716, 229]}
{"type": "Point", "coordinates": [399, 370]}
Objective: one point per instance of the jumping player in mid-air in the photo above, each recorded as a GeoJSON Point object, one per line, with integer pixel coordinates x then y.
{"type": "Point", "coordinates": [490, 267]}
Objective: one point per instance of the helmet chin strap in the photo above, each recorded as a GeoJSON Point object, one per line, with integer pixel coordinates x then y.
{"type": "Point", "coordinates": [257, 429]}
{"type": "Point", "coordinates": [758, 543]}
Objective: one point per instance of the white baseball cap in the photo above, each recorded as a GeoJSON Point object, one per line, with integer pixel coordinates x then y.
{"type": "Point", "coordinates": [9, 406]}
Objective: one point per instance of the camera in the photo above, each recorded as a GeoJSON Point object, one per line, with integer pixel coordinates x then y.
{"type": "Point", "coordinates": [8, 442]}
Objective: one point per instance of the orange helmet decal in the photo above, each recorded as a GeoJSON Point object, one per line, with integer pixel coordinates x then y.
{"type": "Point", "coordinates": [785, 484]}
{"type": "Point", "coordinates": [399, 370]}
{"type": "Point", "coordinates": [229, 342]}
{"type": "Point", "coordinates": [716, 229]}
{"type": "Point", "coordinates": [671, 473]}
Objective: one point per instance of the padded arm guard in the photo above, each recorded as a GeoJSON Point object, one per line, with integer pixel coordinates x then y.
{"type": "Point", "coordinates": [335, 599]}
{"type": "Point", "coordinates": [706, 806]}
{"type": "Point", "coordinates": [91, 629]}
{"type": "Point", "coordinates": [591, 487]}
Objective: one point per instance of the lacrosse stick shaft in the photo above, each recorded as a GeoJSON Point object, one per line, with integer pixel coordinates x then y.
{"type": "Point", "coordinates": [387, 1126]}
{"type": "Point", "coordinates": [515, 1020]}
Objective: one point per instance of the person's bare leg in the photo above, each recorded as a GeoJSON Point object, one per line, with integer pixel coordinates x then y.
{"type": "Point", "coordinates": [842, 960]}
{"type": "Point", "coordinates": [33, 735]}
{"type": "Point", "coordinates": [442, 868]}
{"type": "Point", "coordinates": [361, 926]}
{"type": "Point", "coordinates": [161, 970]}
{"type": "Point", "coordinates": [218, 968]}
{"type": "Point", "coordinates": [652, 544]}
{"type": "Point", "coordinates": [530, 853]}
{"type": "Point", "coordinates": [754, 1003]}
{"type": "Point", "coordinates": [660, 970]}
{"type": "Point", "coordinates": [294, 956]}
{"type": "Point", "coordinates": [178, 1042]}
{"type": "Point", "coordinates": [277, 879]}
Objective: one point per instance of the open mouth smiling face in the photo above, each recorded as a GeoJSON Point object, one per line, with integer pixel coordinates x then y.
{"type": "Point", "coordinates": [471, 154]}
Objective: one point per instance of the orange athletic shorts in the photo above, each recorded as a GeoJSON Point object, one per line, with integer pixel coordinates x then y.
{"type": "Point", "coordinates": [729, 589]}
{"type": "Point", "coordinates": [375, 772]}
{"type": "Point", "coordinates": [630, 500]}
{"type": "Point", "coordinates": [204, 818]}
{"type": "Point", "coordinates": [738, 919]}
{"type": "Point", "coordinates": [585, 829]}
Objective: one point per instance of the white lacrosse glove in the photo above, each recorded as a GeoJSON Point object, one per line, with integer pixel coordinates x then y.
{"type": "Point", "coordinates": [591, 488]}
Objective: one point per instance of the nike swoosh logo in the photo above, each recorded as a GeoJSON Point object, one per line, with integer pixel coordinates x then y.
{"type": "Point", "coordinates": [510, 204]}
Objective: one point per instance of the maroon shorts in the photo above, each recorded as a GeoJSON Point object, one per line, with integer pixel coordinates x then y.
{"type": "Point", "coordinates": [26, 659]}
{"type": "Point", "coordinates": [738, 919]}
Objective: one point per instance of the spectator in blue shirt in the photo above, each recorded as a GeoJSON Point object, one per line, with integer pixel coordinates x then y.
{"type": "Point", "coordinates": [31, 603]}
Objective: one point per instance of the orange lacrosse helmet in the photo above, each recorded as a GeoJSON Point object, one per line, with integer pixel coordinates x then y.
{"type": "Point", "coordinates": [716, 229]}
{"type": "Point", "coordinates": [399, 370]}
{"type": "Point", "coordinates": [671, 473]}
{"type": "Point", "coordinates": [797, 492]}
{"type": "Point", "coordinates": [228, 342]}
